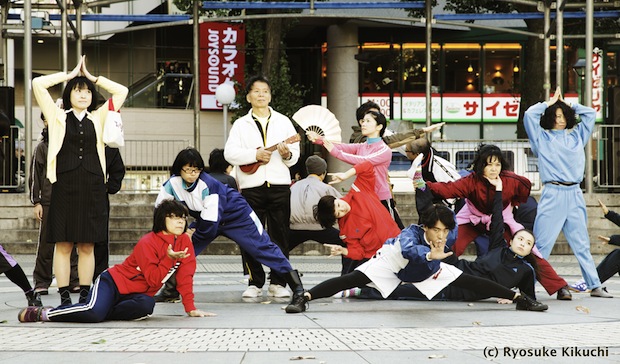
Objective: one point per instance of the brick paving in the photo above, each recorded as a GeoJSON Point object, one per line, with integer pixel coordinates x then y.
{"type": "Point", "coordinates": [332, 330]}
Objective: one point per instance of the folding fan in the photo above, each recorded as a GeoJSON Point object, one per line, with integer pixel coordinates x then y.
{"type": "Point", "coordinates": [320, 120]}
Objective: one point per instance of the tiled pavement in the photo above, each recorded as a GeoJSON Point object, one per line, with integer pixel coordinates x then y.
{"type": "Point", "coordinates": [331, 331]}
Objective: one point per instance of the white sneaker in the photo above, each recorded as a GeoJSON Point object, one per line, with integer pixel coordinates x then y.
{"type": "Point", "coordinates": [276, 290]}
{"type": "Point", "coordinates": [600, 292]}
{"type": "Point", "coordinates": [252, 292]}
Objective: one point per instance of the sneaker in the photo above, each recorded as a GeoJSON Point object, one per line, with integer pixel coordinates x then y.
{"type": "Point", "coordinates": [142, 318]}
{"type": "Point", "coordinates": [252, 292]}
{"type": "Point", "coordinates": [298, 304]}
{"type": "Point", "coordinates": [30, 314]}
{"type": "Point", "coordinates": [34, 298]}
{"type": "Point", "coordinates": [525, 303]}
{"type": "Point", "coordinates": [168, 299]}
{"type": "Point", "coordinates": [580, 286]}
{"type": "Point", "coordinates": [600, 292]}
{"type": "Point", "coordinates": [276, 290]}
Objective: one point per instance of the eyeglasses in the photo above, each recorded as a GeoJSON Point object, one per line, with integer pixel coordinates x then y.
{"type": "Point", "coordinates": [191, 170]}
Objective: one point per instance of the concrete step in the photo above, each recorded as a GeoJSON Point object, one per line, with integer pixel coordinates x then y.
{"type": "Point", "coordinates": [225, 246]}
{"type": "Point", "coordinates": [131, 218]}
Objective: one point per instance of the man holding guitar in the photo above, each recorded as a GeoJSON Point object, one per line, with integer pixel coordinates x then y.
{"type": "Point", "coordinates": [262, 146]}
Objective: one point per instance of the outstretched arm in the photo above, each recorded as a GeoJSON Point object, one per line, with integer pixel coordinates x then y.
{"type": "Point", "coordinates": [342, 176]}
{"type": "Point", "coordinates": [613, 217]}
{"type": "Point", "coordinates": [496, 238]}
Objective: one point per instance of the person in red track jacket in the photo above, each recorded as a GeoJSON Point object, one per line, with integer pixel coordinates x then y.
{"type": "Point", "coordinates": [364, 223]}
{"type": "Point", "coordinates": [125, 291]}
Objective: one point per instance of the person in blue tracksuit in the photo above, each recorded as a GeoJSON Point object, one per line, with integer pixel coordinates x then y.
{"type": "Point", "coordinates": [558, 142]}
{"type": "Point", "coordinates": [221, 210]}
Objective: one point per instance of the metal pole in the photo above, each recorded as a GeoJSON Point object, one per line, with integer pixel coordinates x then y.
{"type": "Point", "coordinates": [559, 42]}
{"type": "Point", "coordinates": [196, 27]}
{"type": "Point", "coordinates": [588, 90]}
{"type": "Point", "coordinates": [547, 56]}
{"type": "Point", "coordinates": [78, 25]}
{"type": "Point", "coordinates": [3, 67]}
{"type": "Point", "coordinates": [63, 31]}
{"type": "Point", "coordinates": [225, 113]}
{"type": "Point", "coordinates": [27, 83]}
{"type": "Point", "coordinates": [429, 61]}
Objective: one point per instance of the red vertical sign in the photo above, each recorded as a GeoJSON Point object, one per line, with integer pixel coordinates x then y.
{"type": "Point", "coordinates": [221, 59]}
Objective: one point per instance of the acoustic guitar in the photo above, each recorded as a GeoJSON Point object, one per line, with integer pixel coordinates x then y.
{"type": "Point", "coordinates": [253, 167]}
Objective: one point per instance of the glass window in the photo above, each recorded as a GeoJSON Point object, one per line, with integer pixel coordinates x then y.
{"type": "Point", "coordinates": [502, 68]}
{"type": "Point", "coordinates": [464, 159]}
{"type": "Point", "coordinates": [462, 67]}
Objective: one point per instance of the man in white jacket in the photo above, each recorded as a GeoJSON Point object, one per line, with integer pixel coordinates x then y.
{"type": "Point", "coordinates": [262, 146]}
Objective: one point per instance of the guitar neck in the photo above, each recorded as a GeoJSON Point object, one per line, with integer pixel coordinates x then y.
{"type": "Point", "coordinates": [293, 139]}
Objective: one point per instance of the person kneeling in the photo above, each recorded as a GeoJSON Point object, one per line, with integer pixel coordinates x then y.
{"type": "Point", "coordinates": [125, 291]}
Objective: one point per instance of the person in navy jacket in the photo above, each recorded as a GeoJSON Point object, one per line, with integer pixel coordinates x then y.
{"type": "Point", "coordinates": [221, 210]}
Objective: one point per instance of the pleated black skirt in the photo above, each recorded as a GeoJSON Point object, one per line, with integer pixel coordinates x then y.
{"type": "Point", "coordinates": [78, 208]}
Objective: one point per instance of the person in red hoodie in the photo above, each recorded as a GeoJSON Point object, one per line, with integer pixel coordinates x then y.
{"type": "Point", "coordinates": [125, 291]}
{"type": "Point", "coordinates": [364, 222]}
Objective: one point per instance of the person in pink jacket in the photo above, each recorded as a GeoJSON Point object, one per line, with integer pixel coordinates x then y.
{"type": "Point", "coordinates": [125, 291]}
{"type": "Point", "coordinates": [374, 150]}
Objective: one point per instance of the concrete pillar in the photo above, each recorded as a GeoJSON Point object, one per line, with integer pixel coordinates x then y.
{"type": "Point", "coordinates": [342, 84]}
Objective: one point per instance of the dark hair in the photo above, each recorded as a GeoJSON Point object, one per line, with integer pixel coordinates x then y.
{"type": "Point", "coordinates": [380, 118]}
{"type": "Point", "coordinates": [530, 258]}
{"type": "Point", "coordinates": [486, 151]}
{"type": "Point", "coordinates": [547, 121]}
{"type": "Point", "coordinates": [187, 156]}
{"type": "Point", "coordinates": [253, 80]}
{"type": "Point", "coordinates": [217, 162]}
{"type": "Point", "coordinates": [363, 109]}
{"type": "Point", "coordinates": [168, 208]}
{"type": "Point", "coordinates": [324, 211]}
{"type": "Point", "coordinates": [438, 212]}
{"type": "Point", "coordinates": [79, 83]}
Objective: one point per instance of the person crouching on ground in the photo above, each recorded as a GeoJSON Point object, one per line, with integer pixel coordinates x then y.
{"type": "Point", "coordinates": [125, 291]}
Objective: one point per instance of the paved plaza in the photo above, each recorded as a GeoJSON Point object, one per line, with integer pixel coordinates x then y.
{"type": "Point", "coordinates": [585, 330]}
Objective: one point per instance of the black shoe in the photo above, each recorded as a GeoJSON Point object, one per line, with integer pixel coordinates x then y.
{"type": "Point", "coordinates": [34, 298]}
{"type": "Point", "coordinates": [564, 294]}
{"type": "Point", "coordinates": [525, 303]}
{"type": "Point", "coordinates": [299, 303]}
{"type": "Point", "coordinates": [169, 299]}
{"type": "Point", "coordinates": [42, 291]}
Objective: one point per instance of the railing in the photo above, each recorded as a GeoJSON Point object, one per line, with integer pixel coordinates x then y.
{"type": "Point", "coordinates": [607, 168]}
{"type": "Point", "coordinates": [148, 162]}
{"type": "Point", "coordinates": [12, 162]}
{"type": "Point", "coordinates": [170, 90]}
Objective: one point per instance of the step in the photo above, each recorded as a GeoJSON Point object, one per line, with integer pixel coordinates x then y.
{"type": "Point", "coordinates": [224, 246]}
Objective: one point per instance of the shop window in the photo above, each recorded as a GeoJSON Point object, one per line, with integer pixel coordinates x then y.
{"type": "Point", "coordinates": [462, 67]}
